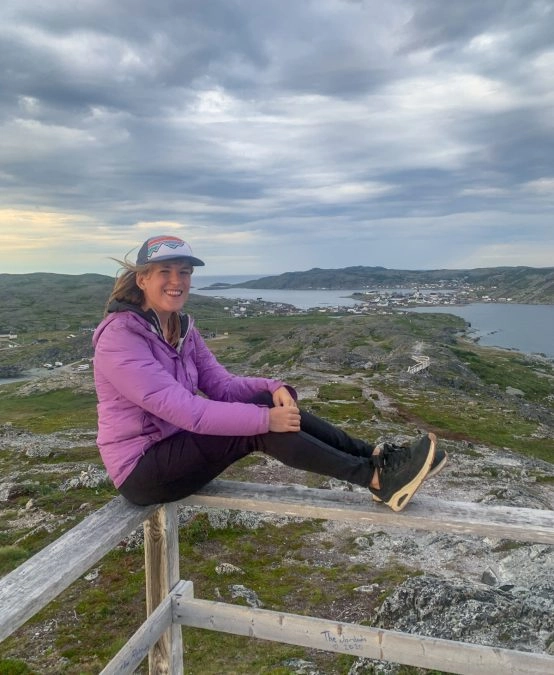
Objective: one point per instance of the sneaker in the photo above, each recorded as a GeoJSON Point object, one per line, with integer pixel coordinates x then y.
{"type": "Point", "coordinates": [402, 470]}
{"type": "Point", "coordinates": [437, 465]}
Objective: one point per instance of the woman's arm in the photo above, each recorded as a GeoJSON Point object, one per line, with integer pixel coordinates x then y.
{"type": "Point", "coordinates": [125, 359]}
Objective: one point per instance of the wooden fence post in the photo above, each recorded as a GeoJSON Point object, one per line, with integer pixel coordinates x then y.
{"type": "Point", "coordinates": [161, 553]}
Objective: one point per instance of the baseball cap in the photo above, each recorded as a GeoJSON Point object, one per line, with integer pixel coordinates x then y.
{"type": "Point", "coordinates": [157, 249]}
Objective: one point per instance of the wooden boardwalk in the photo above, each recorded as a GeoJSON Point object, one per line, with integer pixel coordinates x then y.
{"type": "Point", "coordinates": [421, 363]}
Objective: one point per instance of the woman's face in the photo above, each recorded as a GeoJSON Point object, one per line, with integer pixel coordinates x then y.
{"type": "Point", "coordinates": [166, 286]}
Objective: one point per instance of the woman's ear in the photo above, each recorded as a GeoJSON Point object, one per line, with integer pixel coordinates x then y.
{"type": "Point", "coordinates": [139, 279]}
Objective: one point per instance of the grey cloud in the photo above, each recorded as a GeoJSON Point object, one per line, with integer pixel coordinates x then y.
{"type": "Point", "coordinates": [101, 106]}
{"type": "Point", "coordinates": [439, 24]}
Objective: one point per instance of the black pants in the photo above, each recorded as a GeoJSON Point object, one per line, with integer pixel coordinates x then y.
{"type": "Point", "coordinates": [181, 464]}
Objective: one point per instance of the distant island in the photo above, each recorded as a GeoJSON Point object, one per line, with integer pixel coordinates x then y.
{"type": "Point", "coordinates": [215, 287]}
{"type": "Point", "coordinates": [518, 284]}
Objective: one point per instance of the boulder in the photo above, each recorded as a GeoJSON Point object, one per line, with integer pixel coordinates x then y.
{"type": "Point", "coordinates": [469, 612]}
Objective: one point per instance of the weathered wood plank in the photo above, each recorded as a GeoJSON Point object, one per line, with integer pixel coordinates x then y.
{"type": "Point", "coordinates": [426, 513]}
{"type": "Point", "coordinates": [161, 555]}
{"type": "Point", "coordinates": [133, 653]}
{"type": "Point", "coordinates": [33, 584]}
{"type": "Point", "coordinates": [360, 641]}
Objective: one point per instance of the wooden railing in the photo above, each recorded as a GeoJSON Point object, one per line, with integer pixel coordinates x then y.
{"type": "Point", "coordinates": [171, 603]}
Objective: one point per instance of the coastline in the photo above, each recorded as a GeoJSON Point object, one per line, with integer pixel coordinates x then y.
{"type": "Point", "coordinates": [518, 327]}
{"type": "Point", "coordinates": [528, 335]}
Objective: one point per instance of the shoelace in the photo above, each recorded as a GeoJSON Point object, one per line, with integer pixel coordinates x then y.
{"type": "Point", "coordinates": [391, 457]}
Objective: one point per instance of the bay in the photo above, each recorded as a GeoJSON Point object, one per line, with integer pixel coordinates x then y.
{"type": "Point", "coordinates": [299, 299]}
{"type": "Point", "coordinates": [525, 328]}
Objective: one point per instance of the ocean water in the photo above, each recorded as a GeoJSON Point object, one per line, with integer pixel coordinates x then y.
{"type": "Point", "coordinates": [524, 328]}
{"type": "Point", "coordinates": [299, 299]}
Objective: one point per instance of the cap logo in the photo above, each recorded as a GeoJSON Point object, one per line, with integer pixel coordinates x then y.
{"type": "Point", "coordinates": [164, 247]}
{"type": "Point", "coordinates": [154, 245]}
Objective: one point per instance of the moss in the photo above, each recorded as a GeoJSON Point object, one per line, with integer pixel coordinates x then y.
{"type": "Point", "coordinates": [509, 546]}
{"type": "Point", "coordinates": [52, 499]}
{"type": "Point", "coordinates": [213, 653]}
{"type": "Point", "coordinates": [395, 573]}
{"type": "Point", "coordinates": [507, 370]}
{"type": "Point", "coordinates": [15, 667]}
{"type": "Point", "coordinates": [90, 621]}
{"type": "Point", "coordinates": [339, 391]}
{"type": "Point", "coordinates": [107, 612]}
{"type": "Point", "coordinates": [11, 557]}
{"type": "Point", "coordinates": [477, 420]}
{"type": "Point", "coordinates": [197, 530]}
{"type": "Point", "coordinates": [85, 453]}
{"type": "Point", "coordinates": [345, 413]}
{"type": "Point", "coordinates": [273, 357]}
{"type": "Point", "coordinates": [50, 411]}
{"type": "Point", "coordinates": [392, 576]}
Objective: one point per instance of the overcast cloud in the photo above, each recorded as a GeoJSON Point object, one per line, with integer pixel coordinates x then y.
{"type": "Point", "coordinates": [277, 135]}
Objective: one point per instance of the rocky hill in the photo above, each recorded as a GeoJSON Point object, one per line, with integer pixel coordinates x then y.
{"type": "Point", "coordinates": [491, 409]}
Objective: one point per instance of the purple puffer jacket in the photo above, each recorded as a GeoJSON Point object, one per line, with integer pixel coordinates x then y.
{"type": "Point", "coordinates": [147, 391]}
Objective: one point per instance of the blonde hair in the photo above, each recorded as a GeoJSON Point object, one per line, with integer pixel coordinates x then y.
{"type": "Point", "coordinates": [127, 290]}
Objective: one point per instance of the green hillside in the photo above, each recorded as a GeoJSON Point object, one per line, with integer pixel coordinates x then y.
{"type": "Point", "coordinates": [45, 301]}
{"type": "Point", "coordinates": [53, 316]}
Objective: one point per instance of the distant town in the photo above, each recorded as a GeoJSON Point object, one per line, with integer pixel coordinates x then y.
{"type": "Point", "coordinates": [370, 301]}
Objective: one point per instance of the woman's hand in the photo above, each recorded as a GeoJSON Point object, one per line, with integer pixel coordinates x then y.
{"type": "Point", "coordinates": [282, 398]}
{"type": "Point", "coordinates": [284, 418]}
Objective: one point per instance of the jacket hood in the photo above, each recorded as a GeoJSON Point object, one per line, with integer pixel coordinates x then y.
{"type": "Point", "coordinates": [150, 316]}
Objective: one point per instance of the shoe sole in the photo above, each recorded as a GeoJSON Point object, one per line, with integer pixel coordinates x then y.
{"type": "Point", "coordinates": [437, 469]}
{"type": "Point", "coordinates": [401, 498]}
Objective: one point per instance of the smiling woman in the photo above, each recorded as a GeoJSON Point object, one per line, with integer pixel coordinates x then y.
{"type": "Point", "coordinates": [171, 417]}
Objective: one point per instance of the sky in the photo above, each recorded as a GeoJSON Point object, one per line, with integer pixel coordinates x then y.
{"type": "Point", "coordinates": [277, 135]}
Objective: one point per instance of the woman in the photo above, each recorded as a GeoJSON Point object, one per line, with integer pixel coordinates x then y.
{"type": "Point", "coordinates": [171, 418]}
